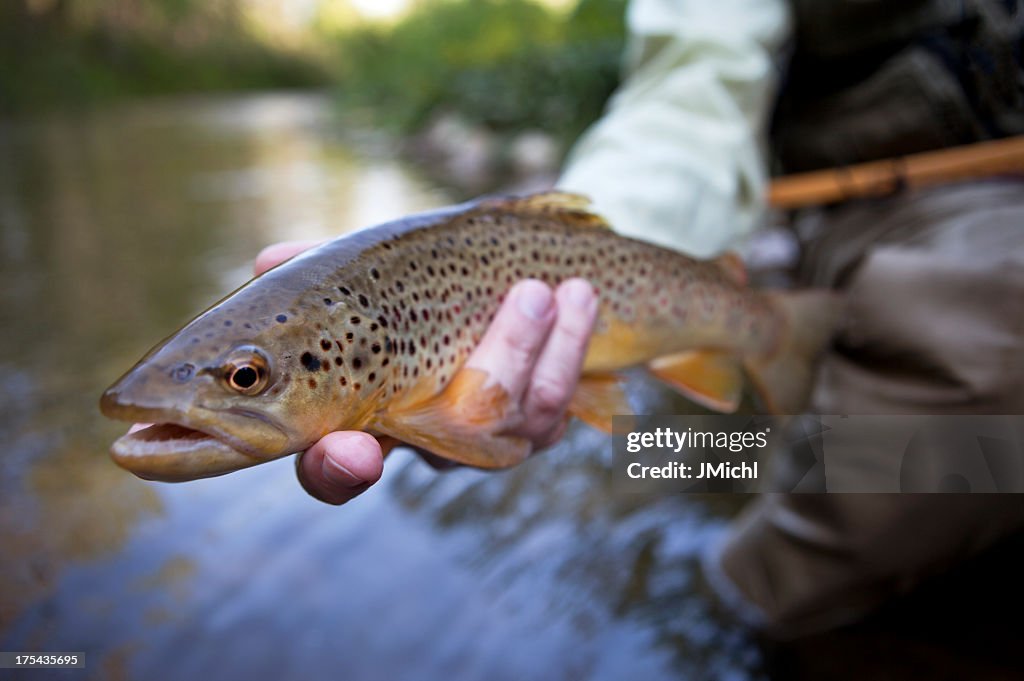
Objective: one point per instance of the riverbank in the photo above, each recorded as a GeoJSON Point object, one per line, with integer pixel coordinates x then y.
{"type": "Point", "coordinates": [60, 55]}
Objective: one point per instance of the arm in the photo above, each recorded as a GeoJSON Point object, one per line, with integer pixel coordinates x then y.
{"type": "Point", "coordinates": [677, 159]}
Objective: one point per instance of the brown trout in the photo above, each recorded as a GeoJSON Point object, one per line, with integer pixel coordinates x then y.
{"type": "Point", "coordinates": [370, 332]}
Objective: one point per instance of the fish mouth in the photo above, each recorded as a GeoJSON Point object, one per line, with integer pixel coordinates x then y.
{"type": "Point", "coordinates": [178, 447]}
{"type": "Point", "coordinates": [171, 452]}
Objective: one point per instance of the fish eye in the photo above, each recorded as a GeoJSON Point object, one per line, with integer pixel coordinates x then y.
{"type": "Point", "coordinates": [246, 371]}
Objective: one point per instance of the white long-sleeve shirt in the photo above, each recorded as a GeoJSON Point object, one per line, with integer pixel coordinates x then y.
{"type": "Point", "coordinates": [678, 156]}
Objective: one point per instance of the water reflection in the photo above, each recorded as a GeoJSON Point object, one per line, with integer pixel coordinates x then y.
{"type": "Point", "coordinates": [114, 228]}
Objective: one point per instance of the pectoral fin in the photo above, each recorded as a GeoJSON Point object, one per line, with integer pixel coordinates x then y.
{"type": "Point", "coordinates": [597, 398]}
{"type": "Point", "coordinates": [459, 424]}
{"type": "Point", "coordinates": [708, 377]}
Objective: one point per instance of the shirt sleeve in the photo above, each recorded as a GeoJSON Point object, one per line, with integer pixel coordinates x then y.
{"type": "Point", "coordinates": [678, 158]}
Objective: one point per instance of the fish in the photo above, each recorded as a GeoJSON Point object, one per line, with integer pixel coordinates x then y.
{"type": "Point", "coordinates": [371, 331]}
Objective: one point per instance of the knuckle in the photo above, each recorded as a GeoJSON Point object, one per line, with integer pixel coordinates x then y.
{"type": "Point", "coordinates": [520, 348]}
{"type": "Point", "coordinates": [548, 398]}
{"type": "Point", "coordinates": [575, 335]}
{"type": "Point", "coordinates": [520, 344]}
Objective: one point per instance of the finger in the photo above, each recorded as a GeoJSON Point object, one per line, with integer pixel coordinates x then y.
{"type": "Point", "coordinates": [515, 337]}
{"type": "Point", "coordinates": [274, 255]}
{"type": "Point", "coordinates": [557, 371]}
{"type": "Point", "coordinates": [341, 466]}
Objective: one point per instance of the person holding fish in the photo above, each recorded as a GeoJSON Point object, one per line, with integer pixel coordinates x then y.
{"type": "Point", "coordinates": [534, 348]}
{"type": "Point", "coordinates": [930, 276]}
{"type": "Point", "coordinates": [932, 279]}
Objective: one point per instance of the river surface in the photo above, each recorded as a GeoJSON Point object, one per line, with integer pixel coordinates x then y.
{"type": "Point", "coordinates": [116, 227]}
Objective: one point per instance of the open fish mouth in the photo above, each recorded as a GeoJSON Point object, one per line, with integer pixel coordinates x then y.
{"type": "Point", "coordinates": [171, 452]}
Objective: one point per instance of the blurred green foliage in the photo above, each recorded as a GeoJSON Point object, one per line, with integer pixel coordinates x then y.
{"type": "Point", "coordinates": [56, 53]}
{"type": "Point", "coordinates": [505, 64]}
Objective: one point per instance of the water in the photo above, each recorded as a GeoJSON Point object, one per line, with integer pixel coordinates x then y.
{"type": "Point", "coordinates": [116, 227]}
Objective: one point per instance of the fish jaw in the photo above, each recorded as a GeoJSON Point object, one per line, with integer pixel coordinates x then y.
{"type": "Point", "coordinates": [167, 452]}
{"type": "Point", "coordinates": [183, 446]}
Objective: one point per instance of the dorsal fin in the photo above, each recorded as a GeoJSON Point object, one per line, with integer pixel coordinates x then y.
{"type": "Point", "coordinates": [566, 205]}
{"type": "Point", "coordinates": [732, 265]}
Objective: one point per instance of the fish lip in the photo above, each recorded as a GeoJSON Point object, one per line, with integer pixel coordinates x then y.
{"type": "Point", "coordinates": [178, 459]}
{"type": "Point", "coordinates": [252, 414]}
{"type": "Point", "coordinates": [174, 460]}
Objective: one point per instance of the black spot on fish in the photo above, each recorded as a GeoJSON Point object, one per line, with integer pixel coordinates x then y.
{"type": "Point", "coordinates": [281, 319]}
{"type": "Point", "coordinates": [363, 301]}
{"type": "Point", "coordinates": [327, 301]}
{"type": "Point", "coordinates": [357, 363]}
{"type": "Point", "coordinates": [344, 290]}
{"type": "Point", "coordinates": [353, 320]}
{"type": "Point", "coordinates": [227, 322]}
{"type": "Point", "coordinates": [325, 344]}
{"type": "Point", "coordinates": [309, 361]}
{"type": "Point", "coordinates": [374, 273]}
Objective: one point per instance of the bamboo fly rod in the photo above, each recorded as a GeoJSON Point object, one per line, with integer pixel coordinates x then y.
{"type": "Point", "coordinates": [880, 178]}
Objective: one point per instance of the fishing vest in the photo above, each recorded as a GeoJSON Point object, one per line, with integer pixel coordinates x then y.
{"type": "Point", "coordinates": [872, 79]}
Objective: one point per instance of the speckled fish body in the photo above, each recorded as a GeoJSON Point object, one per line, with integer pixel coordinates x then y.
{"type": "Point", "coordinates": [370, 331]}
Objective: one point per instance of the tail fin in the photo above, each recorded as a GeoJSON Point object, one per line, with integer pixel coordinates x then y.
{"type": "Point", "coordinates": [784, 379]}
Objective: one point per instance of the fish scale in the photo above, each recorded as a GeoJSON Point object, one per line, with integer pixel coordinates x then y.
{"type": "Point", "coordinates": [372, 331]}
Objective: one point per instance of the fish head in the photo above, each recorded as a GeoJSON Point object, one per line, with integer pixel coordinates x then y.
{"type": "Point", "coordinates": [220, 398]}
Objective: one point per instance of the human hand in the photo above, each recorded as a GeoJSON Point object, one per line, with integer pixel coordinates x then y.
{"type": "Point", "coordinates": [534, 348]}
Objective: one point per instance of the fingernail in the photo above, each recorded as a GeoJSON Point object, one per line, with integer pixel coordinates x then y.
{"type": "Point", "coordinates": [337, 474]}
{"type": "Point", "coordinates": [579, 293]}
{"type": "Point", "coordinates": [534, 299]}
